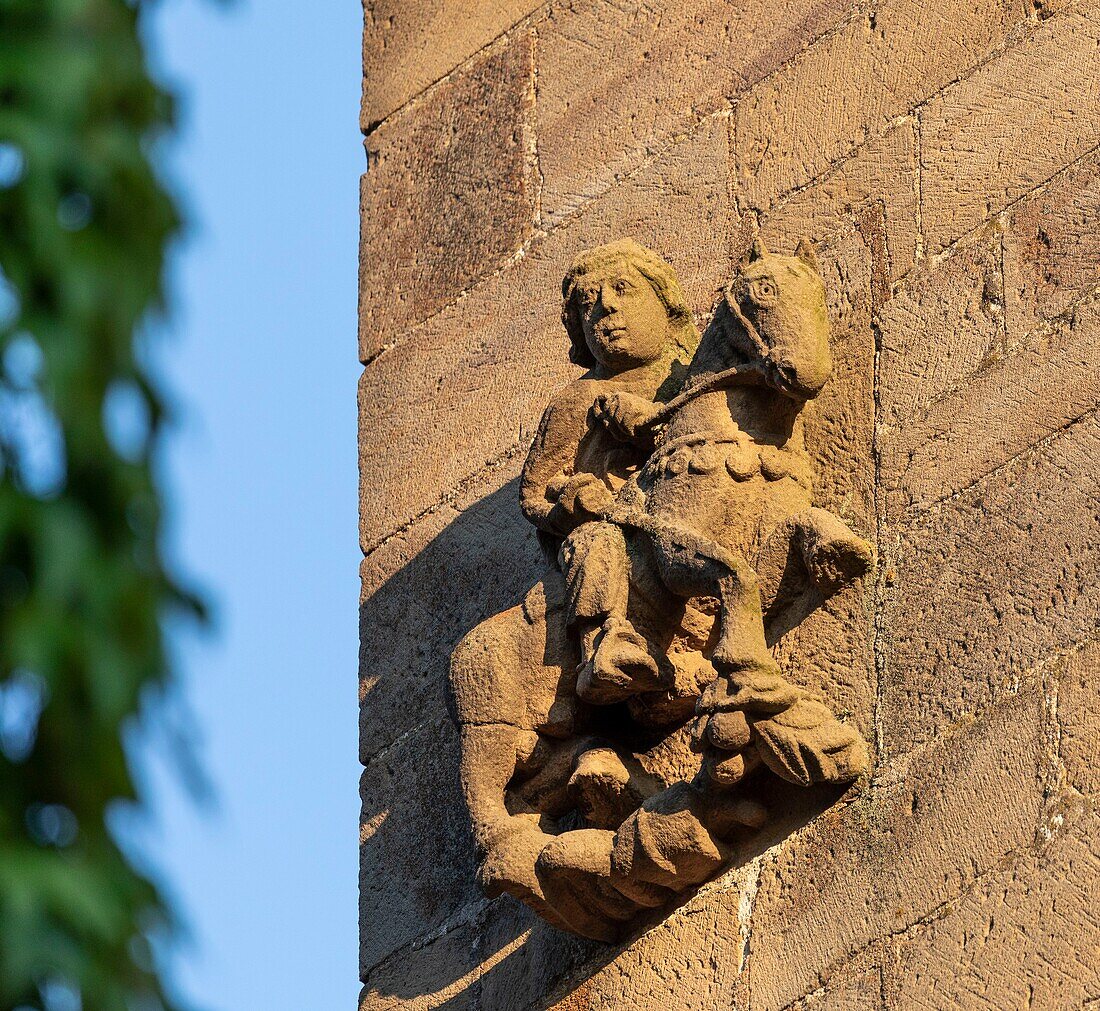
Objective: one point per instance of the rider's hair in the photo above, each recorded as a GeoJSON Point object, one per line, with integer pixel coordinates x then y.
{"type": "Point", "coordinates": [656, 271]}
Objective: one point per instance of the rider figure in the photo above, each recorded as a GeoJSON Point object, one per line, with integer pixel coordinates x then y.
{"type": "Point", "coordinates": [629, 323]}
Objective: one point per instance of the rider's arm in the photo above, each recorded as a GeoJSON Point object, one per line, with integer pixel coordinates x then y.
{"type": "Point", "coordinates": [548, 478]}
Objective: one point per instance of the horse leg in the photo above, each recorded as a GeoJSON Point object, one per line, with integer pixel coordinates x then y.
{"type": "Point", "coordinates": [749, 680]}
{"type": "Point", "coordinates": [834, 556]}
{"type": "Point", "coordinates": [692, 566]}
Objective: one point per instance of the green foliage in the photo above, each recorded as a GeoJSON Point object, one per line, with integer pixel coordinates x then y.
{"type": "Point", "coordinates": [84, 225]}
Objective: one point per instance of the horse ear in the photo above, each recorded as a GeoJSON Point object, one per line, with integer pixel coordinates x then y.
{"type": "Point", "coordinates": [805, 252]}
{"type": "Point", "coordinates": [755, 252]}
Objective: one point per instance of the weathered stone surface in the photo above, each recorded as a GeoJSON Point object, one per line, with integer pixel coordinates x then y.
{"type": "Point", "coordinates": [939, 330]}
{"type": "Point", "coordinates": [412, 807]}
{"type": "Point", "coordinates": [1052, 247]}
{"type": "Point", "coordinates": [541, 960]}
{"type": "Point", "coordinates": [831, 649]}
{"type": "Point", "coordinates": [409, 44]}
{"type": "Point", "coordinates": [840, 421]}
{"type": "Point", "coordinates": [883, 172]}
{"type": "Point", "coordinates": [1010, 126]}
{"type": "Point", "coordinates": [450, 193]}
{"type": "Point", "coordinates": [888, 859]}
{"type": "Point", "coordinates": [1010, 406]}
{"type": "Point", "coordinates": [1026, 936]}
{"type": "Point", "coordinates": [438, 971]}
{"type": "Point", "coordinates": [1079, 717]}
{"type": "Point", "coordinates": [855, 986]}
{"type": "Point", "coordinates": [878, 66]}
{"type": "Point", "coordinates": [470, 384]}
{"type": "Point", "coordinates": [831, 653]}
{"type": "Point", "coordinates": [500, 958]}
{"type": "Point", "coordinates": [990, 585]}
{"type": "Point", "coordinates": [425, 588]}
{"type": "Point", "coordinates": [615, 80]}
{"type": "Point", "coordinates": [690, 961]}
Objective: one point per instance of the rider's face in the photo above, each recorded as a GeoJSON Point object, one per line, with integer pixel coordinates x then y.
{"type": "Point", "coordinates": [625, 323]}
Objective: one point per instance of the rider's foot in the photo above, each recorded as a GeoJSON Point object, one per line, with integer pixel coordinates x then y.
{"type": "Point", "coordinates": [728, 731]}
{"type": "Point", "coordinates": [620, 665]}
{"type": "Point", "coordinates": [761, 690]}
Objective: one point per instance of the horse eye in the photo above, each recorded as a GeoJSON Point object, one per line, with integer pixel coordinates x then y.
{"type": "Point", "coordinates": [763, 290]}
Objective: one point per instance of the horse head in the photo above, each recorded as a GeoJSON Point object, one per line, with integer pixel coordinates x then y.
{"type": "Point", "coordinates": [780, 318]}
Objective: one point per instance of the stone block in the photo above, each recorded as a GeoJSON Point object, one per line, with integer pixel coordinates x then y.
{"type": "Point", "coordinates": [822, 105]}
{"type": "Point", "coordinates": [450, 193]}
{"type": "Point", "coordinates": [1026, 936]}
{"type": "Point", "coordinates": [1052, 247]}
{"type": "Point", "coordinates": [938, 331]}
{"type": "Point", "coordinates": [1001, 412]}
{"type": "Point", "coordinates": [882, 172]}
{"type": "Point", "coordinates": [424, 589]}
{"type": "Point", "coordinates": [469, 386]}
{"type": "Point", "coordinates": [1010, 126]}
{"type": "Point", "coordinates": [888, 859]}
{"type": "Point", "coordinates": [691, 961]}
{"type": "Point", "coordinates": [831, 650]}
{"type": "Point", "coordinates": [441, 971]}
{"type": "Point", "coordinates": [542, 961]}
{"type": "Point", "coordinates": [989, 585]}
{"type": "Point", "coordinates": [416, 853]}
{"type": "Point", "coordinates": [410, 44]}
{"type": "Point", "coordinates": [617, 79]}
{"type": "Point", "coordinates": [839, 425]}
{"type": "Point", "coordinates": [1079, 717]}
{"type": "Point", "coordinates": [502, 958]}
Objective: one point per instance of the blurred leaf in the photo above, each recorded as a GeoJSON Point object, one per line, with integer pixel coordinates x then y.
{"type": "Point", "coordinates": [84, 228]}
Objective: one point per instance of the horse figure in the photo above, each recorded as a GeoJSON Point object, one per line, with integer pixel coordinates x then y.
{"type": "Point", "coordinates": [730, 483]}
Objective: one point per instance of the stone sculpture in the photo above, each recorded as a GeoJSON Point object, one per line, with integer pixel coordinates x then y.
{"type": "Point", "coordinates": [612, 722]}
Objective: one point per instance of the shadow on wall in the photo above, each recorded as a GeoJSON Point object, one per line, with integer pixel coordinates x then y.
{"type": "Point", "coordinates": [441, 578]}
{"type": "Point", "coordinates": [429, 937]}
{"type": "Point", "coordinates": [428, 934]}
{"type": "Point", "coordinates": [504, 958]}
{"type": "Point", "coordinates": [417, 860]}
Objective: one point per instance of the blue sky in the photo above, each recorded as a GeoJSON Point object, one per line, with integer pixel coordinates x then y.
{"type": "Point", "coordinates": [261, 356]}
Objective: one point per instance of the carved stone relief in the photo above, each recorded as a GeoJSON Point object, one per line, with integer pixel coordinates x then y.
{"type": "Point", "coordinates": [624, 726]}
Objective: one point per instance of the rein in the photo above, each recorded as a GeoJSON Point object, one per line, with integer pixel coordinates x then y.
{"type": "Point", "coordinates": [747, 373]}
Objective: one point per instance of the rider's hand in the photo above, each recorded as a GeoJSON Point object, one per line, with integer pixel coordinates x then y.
{"type": "Point", "coordinates": [585, 497]}
{"type": "Point", "coordinates": [625, 415]}
{"type": "Point", "coordinates": [595, 499]}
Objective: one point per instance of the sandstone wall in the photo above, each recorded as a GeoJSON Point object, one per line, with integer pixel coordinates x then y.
{"type": "Point", "coordinates": [946, 156]}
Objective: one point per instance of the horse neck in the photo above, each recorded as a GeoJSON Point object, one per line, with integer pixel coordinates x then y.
{"type": "Point", "coordinates": [761, 412]}
{"type": "Point", "coordinates": [766, 416]}
{"type": "Point", "coordinates": [715, 352]}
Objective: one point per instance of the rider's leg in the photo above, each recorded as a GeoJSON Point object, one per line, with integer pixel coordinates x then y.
{"type": "Point", "coordinates": [749, 679]}
{"type": "Point", "coordinates": [615, 660]}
